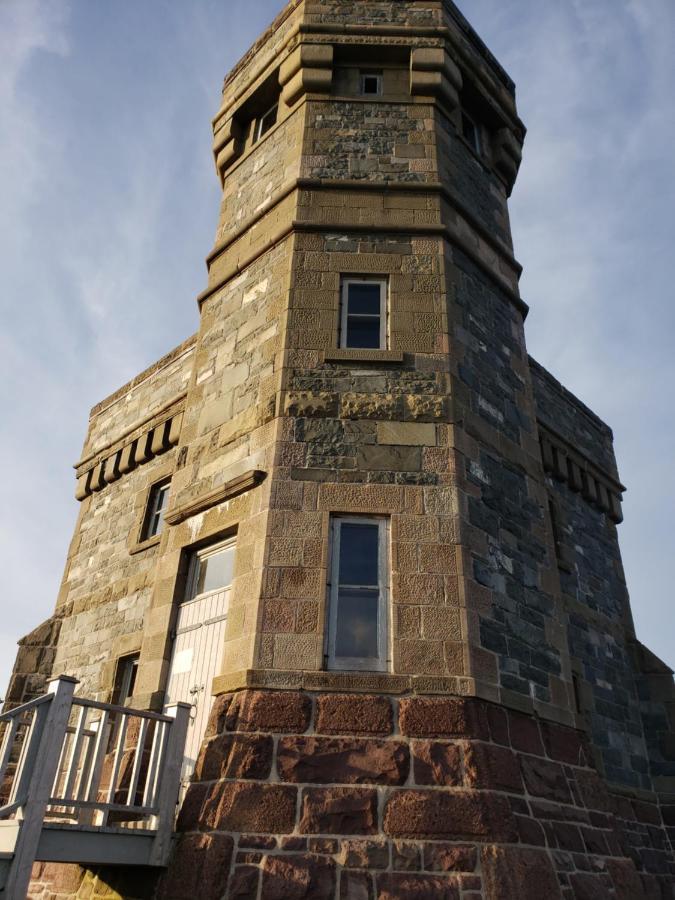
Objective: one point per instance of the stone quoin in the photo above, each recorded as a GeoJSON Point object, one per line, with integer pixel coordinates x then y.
{"type": "Point", "coordinates": [357, 527]}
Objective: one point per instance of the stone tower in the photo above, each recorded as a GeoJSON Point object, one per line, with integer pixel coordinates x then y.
{"type": "Point", "coordinates": [355, 512]}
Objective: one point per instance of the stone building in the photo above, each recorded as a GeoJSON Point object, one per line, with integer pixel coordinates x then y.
{"type": "Point", "coordinates": [357, 527]}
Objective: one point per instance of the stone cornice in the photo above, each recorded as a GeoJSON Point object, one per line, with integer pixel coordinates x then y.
{"type": "Point", "coordinates": [230, 489]}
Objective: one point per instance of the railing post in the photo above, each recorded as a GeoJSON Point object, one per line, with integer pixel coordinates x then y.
{"type": "Point", "coordinates": [169, 785]}
{"type": "Point", "coordinates": [39, 789]}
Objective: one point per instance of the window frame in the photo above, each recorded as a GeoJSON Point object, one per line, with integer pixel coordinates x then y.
{"type": "Point", "coordinates": [196, 557]}
{"type": "Point", "coordinates": [126, 673]}
{"type": "Point", "coordinates": [348, 280]}
{"type": "Point", "coordinates": [475, 142]}
{"type": "Point", "coordinates": [258, 132]}
{"type": "Point", "coordinates": [379, 78]}
{"type": "Point", "coordinates": [381, 663]}
{"type": "Point", "coordinates": [152, 510]}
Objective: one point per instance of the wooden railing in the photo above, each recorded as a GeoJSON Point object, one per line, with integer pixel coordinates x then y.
{"type": "Point", "coordinates": [78, 765]}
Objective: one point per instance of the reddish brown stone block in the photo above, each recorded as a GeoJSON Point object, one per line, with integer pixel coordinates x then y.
{"type": "Point", "coordinates": [406, 857]}
{"type": "Point", "coordinates": [449, 815]}
{"type": "Point", "coordinates": [493, 768]}
{"type": "Point", "coordinates": [524, 733]}
{"type": "Point", "coordinates": [318, 760]}
{"type": "Point", "coordinates": [450, 857]}
{"type": "Point", "coordinates": [394, 886]}
{"type": "Point", "coordinates": [498, 723]}
{"type": "Point", "coordinates": [354, 714]}
{"type": "Point", "coordinates": [244, 883]}
{"type": "Point", "coordinates": [590, 887]}
{"type": "Point", "coordinates": [251, 807]}
{"type": "Point", "coordinates": [436, 762]}
{"type": "Point", "coordinates": [276, 711]}
{"type": "Point", "coordinates": [189, 818]}
{"type": "Point", "coordinates": [356, 886]}
{"type": "Point", "coordinates": [235, 756]}
{"type": "Point", "coordinates": [545, 779]}
{"type": "Point", "coordinates": [325, 846]}
{"type": "Point", "coordinates": [218, 715]}
{"type": "Point", "coordinates": [199, 867]}
{"type": "Point", "coordinates": [293, 844]}
{"type": "Point", "coordinates": [257, 842]}
{"type": "Point", "coordinates": [429, 717]}
{"type": "Point", "coordinates": [564, 744]}
{"type": "Point", "coordinates": [364, 854]}
{"type": "Point", "coordinates": [626, 881]}
{"type": "Point", "coordinates": [511, 872]}
{"type": "Point", "coordinates": [594, 794]}
{"type": "Point", "coordinates": [339, 811]}
{"type": "Point", "coordinates": [299, 877]}
{"type": "Point", "coordinates": [647, 813]}
{"type": "Point", "coordinates": [530, 832]}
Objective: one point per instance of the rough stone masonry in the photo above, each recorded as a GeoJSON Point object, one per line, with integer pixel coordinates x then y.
{"type": "Point", "coordinates": [508, 738]}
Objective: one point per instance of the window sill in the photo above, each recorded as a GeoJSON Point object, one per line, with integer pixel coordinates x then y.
{"type": "Point", "coordinates": [363, 356]}
{"type": "Point", "coordinates": [141, 546]}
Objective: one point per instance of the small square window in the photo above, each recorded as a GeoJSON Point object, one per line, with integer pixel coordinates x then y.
{"type": "Point", "coordinates": [371, 84]}
{"type": "Point", "coordinates": [471, 132]}
{"type": "Point", "coordinates": [358, 616]}
{"type": "Point", "coordinates": [265, 122]}
{"type": "Point", "coordinates": [157, 503]}
{"type": "Point", "coordinates": [363, 322]}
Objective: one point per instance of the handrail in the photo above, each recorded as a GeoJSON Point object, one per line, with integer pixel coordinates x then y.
{"type": "Point", "coordinates": [110, 707]}
{"type": "Point", "coordinates": [25, 707]}
{"type": "Point", "coordinates": [62, 766]}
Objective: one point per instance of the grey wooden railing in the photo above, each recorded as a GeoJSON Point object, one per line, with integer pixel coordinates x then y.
{"type": "Point", "coordinates": [86, 782]}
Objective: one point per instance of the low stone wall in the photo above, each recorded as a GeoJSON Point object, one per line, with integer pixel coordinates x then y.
{"type": "Point", "coordinates": [352, 796]}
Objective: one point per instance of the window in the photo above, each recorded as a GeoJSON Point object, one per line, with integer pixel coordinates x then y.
{"type": "Point", "coordinates": [364, 314]}
{"type": "Point", "coordinates": [471, 132]}
{"type": "Point", "coordinates": [371, 84]}
{"type": "Point", "coordinates": [211, 570]}
{"type": "Point", "coordinates": [265, 122]}
{"type": "Point", "coordinates": [357, 636]}
{"type": "Point", "coordinates": [125, 680]}
{"type": "Point", "coordinates": [154, 516]}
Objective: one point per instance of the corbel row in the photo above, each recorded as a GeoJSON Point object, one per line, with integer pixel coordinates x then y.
{"type": "Point", "coordinates": [569, 466]}
{"type": "Point", "coordinates": [140, 450]}
{"type": "Point", "coordinates": [308, 69]}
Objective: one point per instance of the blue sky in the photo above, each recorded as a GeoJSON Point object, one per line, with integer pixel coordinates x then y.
{"type": "Point", "coordinates": [108, 206]}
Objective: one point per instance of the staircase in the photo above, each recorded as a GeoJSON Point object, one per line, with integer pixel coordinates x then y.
{"type": "Point", "coordinates": [87, 783]}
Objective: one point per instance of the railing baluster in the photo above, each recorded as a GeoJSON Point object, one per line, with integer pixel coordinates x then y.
{"type": "Point", "coordinates": [138, 762]}
{"type": "Point", "coordinates": [93, 782]}
{"type": "Point", "coordinates": [117, 763]}
{"type": "Point", "coordinates": [155, 753]}
{"type": "Point", "coordinates": [7, 747]}
{"type": "Point", "coordinates": [71, 770]}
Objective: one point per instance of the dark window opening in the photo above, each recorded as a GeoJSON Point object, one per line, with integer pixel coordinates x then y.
{"type": "Point", "coordinates": [471, 132]}
{"type": "Point", "coordinates": [371, 84]}
{"type": "Point", "coordinates": [265, 122]}
{"type": "Point", "coordinates": [125, 680]}
{"type": "Point", "coordinates": [364, 314]}
{"type": "Point", "coordinates": [157, 503]}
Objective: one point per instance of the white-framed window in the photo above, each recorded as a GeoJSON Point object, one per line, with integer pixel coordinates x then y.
{"type": "Point", "coordinates": [125, 679]}
{"type": "Point", "coordinates": [157, 503]}
{"type": "Point", "coordinates": [265, 122]}
{"type": "Point", "coordinates": [211, 569]}
{"type": "Point", "coordinates": [471, 132]}
{"type": "Point", "coordinates": [363, 320]}
{"type": "Point", "coordinates": [358, 604]}
{"type": "Point", "coordinates": [371, 84]}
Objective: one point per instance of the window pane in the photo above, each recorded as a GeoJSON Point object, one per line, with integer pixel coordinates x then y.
{"type": "Point", "coordinates": [215, 571]}
{"type": "Point", "coordinates": [364, 299]}
{"type": "Point", "coordinates": [359, 553]}
{"type": "Point", "coordinates": [357, 624]}
{"type": "Point", "coordinates": [363, 333]}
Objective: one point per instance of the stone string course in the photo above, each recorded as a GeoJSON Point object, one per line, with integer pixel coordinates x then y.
{"type": "Point", "coordinates": [347, 796]}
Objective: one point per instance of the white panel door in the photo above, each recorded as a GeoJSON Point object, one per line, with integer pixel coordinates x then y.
{"type": "Point", "coordinates": [198, 645]}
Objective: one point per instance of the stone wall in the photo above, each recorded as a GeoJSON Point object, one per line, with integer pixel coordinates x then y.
{"type": "Point", "coordinates": [599, 628]}
{"type": "Point", "coordinates": [34, 663]}
{"type": "Point", "coordinates": [359, 796]}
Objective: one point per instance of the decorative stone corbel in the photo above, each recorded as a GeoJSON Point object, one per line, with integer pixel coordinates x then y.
{"type": "Point", "coordinates": [309, 69]}
{"type": "Point", "coordinates": [432, 72]}
{"type": "Point", "coordinates": [508, 150]}
{"type": "Point", "coordinates": [226, 144]}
